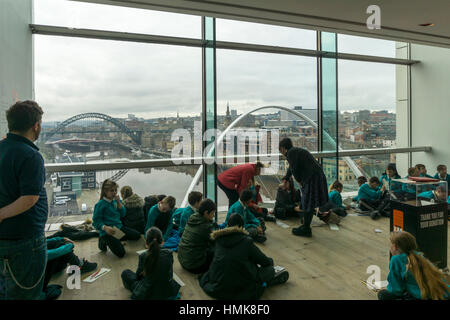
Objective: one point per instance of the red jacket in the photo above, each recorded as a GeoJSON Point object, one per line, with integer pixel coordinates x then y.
{"type": "Point", "coordinates": [238, 177]}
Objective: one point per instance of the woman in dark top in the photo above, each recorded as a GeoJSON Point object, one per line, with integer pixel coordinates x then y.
{"type": "Point", "coordinates": [309, 174]}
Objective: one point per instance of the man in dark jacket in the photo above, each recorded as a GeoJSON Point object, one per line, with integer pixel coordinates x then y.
{"type": "Point", "coordinates": [234, 272]}
{"type": "Point", "coordinates": [196, 251]}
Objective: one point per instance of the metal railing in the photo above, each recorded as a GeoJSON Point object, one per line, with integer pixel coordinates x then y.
{"type": "Point", "coordinates": [195, 161]}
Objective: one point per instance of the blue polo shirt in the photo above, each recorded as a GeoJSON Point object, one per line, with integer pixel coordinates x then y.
{"type": "Point", "coordinates": [22, 173]}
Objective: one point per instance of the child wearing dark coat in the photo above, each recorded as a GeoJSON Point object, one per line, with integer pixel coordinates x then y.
{"type": "Point", "coordinates": [153, 279]}
{"type": "Point", "coordinates": [287, 201]}
{"type": "Point", "coordinates": [134, 205]}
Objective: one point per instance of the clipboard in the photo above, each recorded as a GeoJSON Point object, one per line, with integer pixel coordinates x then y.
{"type": "Point", "coordinates": [118, 234]}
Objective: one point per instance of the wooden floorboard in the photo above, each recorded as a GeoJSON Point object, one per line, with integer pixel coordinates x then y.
{"type": "Point", "coordinates": [330, 265]}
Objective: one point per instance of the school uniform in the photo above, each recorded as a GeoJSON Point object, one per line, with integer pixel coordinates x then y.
{"type": "Point", "coordinates": [159, 285]}
{"type": "Point", "coordinates": [187, 212]}
{"type": "Point", "coordinates": [285, 203]}
{"type": "Point", "coordinates": [401, 283]}
{"type": "Point", "coordinates": [250, 221]}
{"type": "Point", "coordinates": [162, 220]}
{"type": "Point", "coordinates": [336, 203]}
{"type": "Point", "coordinates": [106, 213]}
{"type": "Point", "coordinates": [371, 199]}
{"type": "Point", "coordinates": [446, 178]}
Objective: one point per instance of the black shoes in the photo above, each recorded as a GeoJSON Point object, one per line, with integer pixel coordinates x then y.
{"type": "Point", "coordinates": [302, 231]}
{"type": "Point", "coordinates": [270, 218]}
{"type": "Point", "coordinates": [87, 266]}
{"type": "Point", "coordinates": [260, 238]}
{"type": "Point", "coordinates": [374, 214]}
{"type": "Point", "coordinates": [279, 278]}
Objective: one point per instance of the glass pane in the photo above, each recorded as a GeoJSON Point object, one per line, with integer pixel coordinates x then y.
{"type": "Point", "coordinates": [368, 105]}
{"type": "Point", "coordinates": [68, 191]}
{"type": "Point", "coordinates": [132, 98]}
{"type": "Point", "coordinates": [75, 14]}
{"type": "Point", "coordinates": [366, 46]}
{"type": "Point", "coordinates": [247, 81]}
{"type": "Point", "coordinates": [255, 33]}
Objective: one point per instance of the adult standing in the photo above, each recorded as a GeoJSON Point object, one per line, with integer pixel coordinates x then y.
{"type": "Point", "coordinates": [309, 174]}
{"type": "Point", "coordinates": [235, 180]}
{"type": "Point", "coordinates": [23, 205]}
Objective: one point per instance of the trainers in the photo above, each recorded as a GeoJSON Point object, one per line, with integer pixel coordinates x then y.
{"type": "Point", "coordinates": [279, 278]}
{"type": "Point", "coordinates": [374, 214]}
{"type": "Point", "coordinates": [102, 245]}
{"type": "Point", "coordinates": [270, 218]}
{"type": "Point", "coordinates": [87, 266]}
{"type": "Point", "coordinates": [302, 231]}
{"type": "Point", "coordinates": [260, 238]}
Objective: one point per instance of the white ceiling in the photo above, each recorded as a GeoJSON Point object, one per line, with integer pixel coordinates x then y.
{"type": "Point", "coordinates": [400, 19]}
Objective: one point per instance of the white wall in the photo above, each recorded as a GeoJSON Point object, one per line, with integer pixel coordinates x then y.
{"type": "Point", "coordinates": [16, 55]}
{"type": "Point", "coordinates": [430, 97]}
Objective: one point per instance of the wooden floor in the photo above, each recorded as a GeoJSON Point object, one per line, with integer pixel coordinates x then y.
{"type": "Point", "coordinates": [330, 265]}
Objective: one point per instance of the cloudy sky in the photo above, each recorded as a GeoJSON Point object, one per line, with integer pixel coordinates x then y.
{"type": "Point", "coordinates": [74, 75]}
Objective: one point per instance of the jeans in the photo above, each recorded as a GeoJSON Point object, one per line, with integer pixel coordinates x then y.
{"type": "Point", "coordinates": [232, 195]}
{"type": "Point", "coordinates": [22, 268]}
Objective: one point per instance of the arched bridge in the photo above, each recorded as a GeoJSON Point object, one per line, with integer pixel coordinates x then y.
{"type": "Point", "coordinates": [135, 136]}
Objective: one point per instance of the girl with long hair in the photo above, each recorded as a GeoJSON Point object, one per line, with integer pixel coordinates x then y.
{"type": "Point", "coordinates": [412, 276]}
{"type": "Point", "coordinates": [153, 279]}
{"type": "Point", "coordinates": [108, 212]}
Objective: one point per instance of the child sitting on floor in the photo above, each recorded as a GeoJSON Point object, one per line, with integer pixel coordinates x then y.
{"type": "Point", "coordinates": [254, 226]}
{"type": "Point", "coordinates": [411, 276]}
{"type": "Point", "coordinates": [287, 201]}
{"type": "Point", "coordinates": [371, 198]}
{"type": "Point", "coordinates": [336, 199]}
{"type": "Point", "coordinates": [194, 199]}
{"type": "Point", "coordinates": [196, 249]}
{"type": "Point", "coordinates": [437, 195]}
{"type": "Point", "coordinates": [361, 181]}
{"type": "Point", "coordinates": [256, 198]}
{"type": "Point", "coordinates": [422, 170]}
{"type": "Point", "coordinates": [161, 216]}
{"type": "Point", "coordinates": [134, 205]}
{"type": "Point", "coordinates": [153, 279]}
{"type": "Point", "coordinates": [107, 214]}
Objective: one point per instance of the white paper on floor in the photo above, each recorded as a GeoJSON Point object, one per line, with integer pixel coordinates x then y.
{"type": "Point", "coordinates": [283, 225]}
{"type": "Point", "coordinates": [177, 279]}
{"type": "Point", "coordinates": [378, 231]}
{"type": "Point", "coordinates": [97, 275]}
{"type": "Point", "coordinates": [334, 227]}
{"type": "Point", "coordinates": [352, 214]}
{"type": "Point", "coordinates": [141, 251]}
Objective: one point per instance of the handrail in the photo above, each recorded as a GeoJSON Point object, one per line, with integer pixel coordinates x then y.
{"type": "Point", "coordinates": [195, 161]}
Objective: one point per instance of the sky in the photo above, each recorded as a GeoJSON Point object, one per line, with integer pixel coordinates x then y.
{"type": "Point", "coordinates": [74, 75]}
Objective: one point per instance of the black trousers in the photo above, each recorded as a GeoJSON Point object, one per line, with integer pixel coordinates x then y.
{"type": "Point", "coordinates": [115, 245]}
{"type": "Point", "coordinates": [129, 279]}
{"type": "Point", "coordinates": [306, 218]}
{"type": "Point", "coordinates": [379, 205]}
{"type": "Point", "coordinates": [57, 265]}
{"type": "Point", "coordinates": [386, 295]}
{"type": "Point", "coordinates": [232, 195]}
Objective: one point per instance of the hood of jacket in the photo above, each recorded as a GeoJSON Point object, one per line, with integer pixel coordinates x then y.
{"type": "Point", "coordinates": [197, 219]}
{"type": "Point", "coordinates": [229, 237]}
{"type": "Point", "coordinates": [133, 201]}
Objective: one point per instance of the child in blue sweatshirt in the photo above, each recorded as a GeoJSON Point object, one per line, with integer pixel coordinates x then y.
{"type": "Point", "coordinates": [422, 171]}
{"type": "Point", "coordinates": [438, 195]}
{"type": "Point", "coordinates": [335, 199]}
{"type": "Point", "coordinates": [254, 226]}
{"type": "Point", "coordinates": [194, 199]}
{"type": "Point", "coordinates": [388, 175]}
{"type": "Point", "coordinates": [161, 216]}
{"type": "Point", "coordinates": [442, 174]}
{"type": "Point", "coordinates": [107, 216]}
{"type": "Point", "coordinates": [361, 181]}
{"type": "Point", "coordinates": [372, 198]}
{"type": "Point", "coordinates": [411, 276]}
{"type": "Point", "coordinates": [60, 254]}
